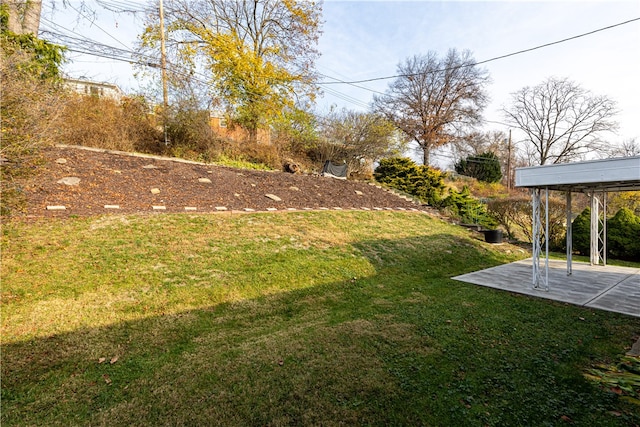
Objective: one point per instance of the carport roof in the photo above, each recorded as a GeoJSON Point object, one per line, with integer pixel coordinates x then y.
{"type": "Point", "coordinates": [618, 174]}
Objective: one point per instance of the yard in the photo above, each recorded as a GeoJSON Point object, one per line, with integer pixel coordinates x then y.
{"type": "Point", "coordinates": [296, 318]}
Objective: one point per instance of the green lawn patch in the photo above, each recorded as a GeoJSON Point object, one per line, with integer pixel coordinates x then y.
{"type": "Point", "coordinates": [316, 318]}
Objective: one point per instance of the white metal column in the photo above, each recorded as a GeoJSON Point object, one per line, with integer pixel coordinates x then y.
{"type": "Point", "coordinates": [569, 236]}
{"type": "Point", "coordinates": [540, 280]}
{"type": "Point", "coordinates": [598, 243]}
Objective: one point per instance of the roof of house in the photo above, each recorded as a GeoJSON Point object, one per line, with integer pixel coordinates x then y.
{"type": "Point", "coordinates": [94, 83]}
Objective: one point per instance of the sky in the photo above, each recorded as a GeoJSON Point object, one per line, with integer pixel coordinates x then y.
{"type": "Point", "coordinates": [368, 39]}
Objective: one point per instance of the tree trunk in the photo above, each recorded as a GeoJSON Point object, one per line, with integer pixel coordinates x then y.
{"type": "Point", "coordinates": [426, 155]}
{"type": "Point", "coordinates": [253, 135]}
{"type": "Point", "coordinates": [24, 16]}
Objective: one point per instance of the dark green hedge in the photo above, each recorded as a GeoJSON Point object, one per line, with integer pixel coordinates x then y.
{"type": "Point", "coordinates": [403, 174]}
{"type": "Point", "coordinates": [623, 234]}
{"type": "Point", "coordinates": [485, 167]}
{"type": "Point", "coordinates": [427, 184]}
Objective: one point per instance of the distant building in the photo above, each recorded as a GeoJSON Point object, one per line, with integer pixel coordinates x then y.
{"type": "Point", "coordinates": [97, 89]}
{"type": "Point", "coordinates": [221, 126]}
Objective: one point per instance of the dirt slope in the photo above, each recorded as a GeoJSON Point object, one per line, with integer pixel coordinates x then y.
{"type": "Point", "coordinates": [137, 184]}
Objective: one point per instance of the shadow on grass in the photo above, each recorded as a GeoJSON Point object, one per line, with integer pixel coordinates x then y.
{"type": "Point", "coordinates": [405, 346]}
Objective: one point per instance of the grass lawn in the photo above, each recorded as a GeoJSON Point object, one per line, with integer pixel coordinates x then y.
{"type": "Point", "coordinates": [316, 318]}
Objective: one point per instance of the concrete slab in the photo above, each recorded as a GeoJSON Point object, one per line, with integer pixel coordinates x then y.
{"type": "Point", "coordinates": [610, 288]}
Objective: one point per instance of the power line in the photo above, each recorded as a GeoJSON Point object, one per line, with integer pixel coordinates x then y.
{"type": "Point", "coordinates": [121, 6]}
{"type": "Point", "coordinates": [337, 80]}
{"type": "Point", "coordinates": [96, 25]}
{"type": "Point", "coordinates": [486, 60]}
{"type": "Point", "coordinates": [346, 98]}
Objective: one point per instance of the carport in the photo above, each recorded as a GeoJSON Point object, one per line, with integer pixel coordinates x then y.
{"type": "Point", "coordinates": [593, 284]}
{"type": "Point", "coordinates": [595, 178]}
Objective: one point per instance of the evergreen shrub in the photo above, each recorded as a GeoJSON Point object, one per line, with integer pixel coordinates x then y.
{"type": "Point", "coordinates": [623, 235]}
{"type": "Point", "coordinates": [403, 174]}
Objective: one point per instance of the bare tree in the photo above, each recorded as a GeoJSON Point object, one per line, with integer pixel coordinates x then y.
{"type": "Point", "coordinates": [628, 148]}
{"type": "Point", "coordinates": [562, 121]}
{"type": "Point", "coordinates": [475, 142]}
{"type": "Point", "coordinates": [432, 99]}
{"type": "Point", "coordinates": [358, 138]}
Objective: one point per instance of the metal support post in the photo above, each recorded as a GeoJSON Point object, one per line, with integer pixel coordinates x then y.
{"type": "Point", "coordinates": [546, 239]}
{"type": "Point", "coordinates": [602, 235]}
{"type": "Point", "coordinates": [598, 242]}
{"type": "Point", "coordinates": [540, 281]}
{"type": "Point", "coordinates": [569, 236]}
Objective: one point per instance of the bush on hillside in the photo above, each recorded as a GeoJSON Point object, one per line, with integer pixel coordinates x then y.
{"type": "Point", "coordinates": [515, 214]}
{"type": "Point", "coordinates": [29, 106]}
{"type": "Point", "coordinates": [189, 133]}
{"type": "Point", "coordinates": [623, 235]}
{"type": "Point", "coordinates": [403, 174]}
{"type": "Point", "coordinates": [467, 209]}
{"type": "Point", "coordinates": [581, 232]}
{"type": "Point", "coordinates": [510, 213]}
{"type": "Point", "coordinates": [105, 123]}
{"type": "Point", "coordinates": [484, 167]}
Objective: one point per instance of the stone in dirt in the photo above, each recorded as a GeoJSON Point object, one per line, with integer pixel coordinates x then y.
{"type": "Point", "coordinates": [70, 180]}
{"type": "Point", "coordinates": [155, 191]}
{"type": "Point", "coordinates": [61, 161]}
{"type": "Point", "coordinates": [358, 192]}
{"type": "Point", "coordinates": [273, 197]}
{"type": "Point", "coordinates": [204, 180]}
{"type": "Point", "coordinates": [149, 167]}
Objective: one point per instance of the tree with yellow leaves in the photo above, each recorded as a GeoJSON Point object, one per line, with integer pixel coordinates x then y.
{"type": "Point", "coordinates": [258, 55]}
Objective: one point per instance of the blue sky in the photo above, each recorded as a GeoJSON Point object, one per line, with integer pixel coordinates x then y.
{"type": "Point", "coordinates": [367, 39]}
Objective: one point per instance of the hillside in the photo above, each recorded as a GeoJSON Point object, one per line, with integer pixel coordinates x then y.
{"type": "Point", "coordinates": [84, 181]}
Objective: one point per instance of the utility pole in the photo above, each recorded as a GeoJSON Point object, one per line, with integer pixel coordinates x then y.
{"type": "Point", "coordinates": [509, 162]}
{"type": "Point", "coordinates": [163, 65]}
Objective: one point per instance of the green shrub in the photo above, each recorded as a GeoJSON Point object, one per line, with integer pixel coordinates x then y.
{"type": "Point", "coordinates": [469, 210]}
{"type": "Point", "coordinates": [581, 232]}
{"type": "Point", "coordinates": [485, 167]}
{"type": "Point", "coordinates": [623, 235]}
{"type": "Point", "coordinates": [403, 174]}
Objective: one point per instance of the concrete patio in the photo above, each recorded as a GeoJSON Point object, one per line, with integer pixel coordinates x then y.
{"type": "Point", "coordinates": [608, 288]}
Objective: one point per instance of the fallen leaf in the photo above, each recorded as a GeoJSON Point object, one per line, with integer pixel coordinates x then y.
{"type": "Point", "coordinates": [102, 359]}
{"type": "Point", "coordinates": [280, 362]}
{"type": "Point", "coordinates": [567, 419]}
{"type": "Point", "coordinates": [113, 360]}
{"type": "Point", "coordinates": [106, 378]}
